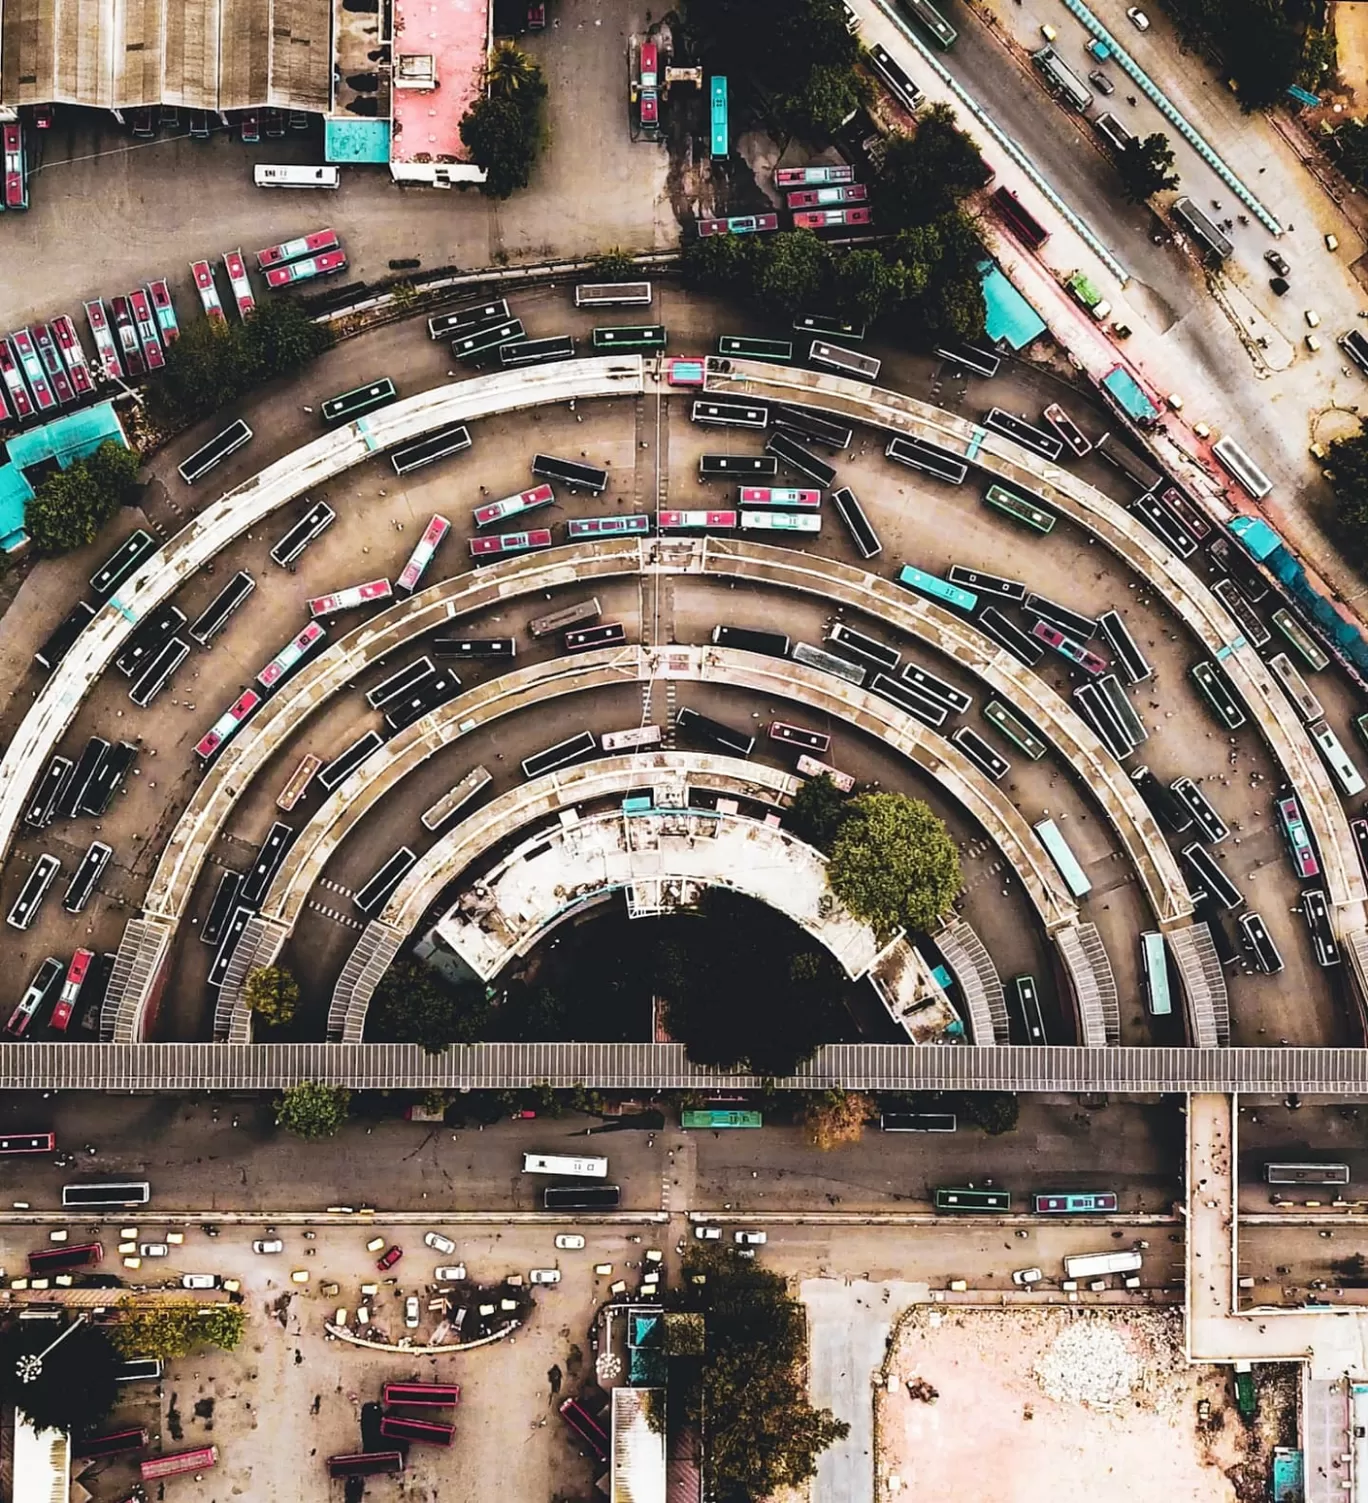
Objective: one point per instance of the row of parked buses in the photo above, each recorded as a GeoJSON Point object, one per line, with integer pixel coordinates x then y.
{"type": "Point", "coordinates": [59, 996]}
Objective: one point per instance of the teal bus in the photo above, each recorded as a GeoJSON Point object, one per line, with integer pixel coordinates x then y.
{"type": "Point", "coordinates": [1214, 689]}
{"type": "Point", "coordinates": [942, 33]}
{"type": "Point", "coordinates": [1016, 731]}
{"type": "Point", "coordinates": [719, 132]}
{"type": "Point", "coordinates": [1301, 639]}
{"type": "Point", "coordinates": [755, 349]}
{"type": "Point", "coordinates": [968, 1198]}
{"type": "Point", "coordinates": [353, 404]}
{"type": "Point", "coordinates": [716, 1117]}
{"type": "Point", "coordinates": [631, 337]}
{"type": "Point", "coordinates": [1077, 1203]}
{"type": "Point", "coordinates": [1019, 509]}
{"type": "Point", "coordinates": [1154, 964]}
{"type": "Point", "coordinates": [937, 588]}
{"type": "Point", "coordinates": [1075, 879]}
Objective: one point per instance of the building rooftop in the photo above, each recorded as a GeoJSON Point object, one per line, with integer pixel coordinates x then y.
{"type": "Point", "coordinates": [440, 47]}
{"type": "Point", "coordinates": [638, 1474]}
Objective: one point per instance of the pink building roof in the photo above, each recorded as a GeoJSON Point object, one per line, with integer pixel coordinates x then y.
{"type": "Point", "coordinates": [446, 42]}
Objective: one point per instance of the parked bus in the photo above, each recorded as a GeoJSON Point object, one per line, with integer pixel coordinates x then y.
{"type": "Point", "coordinates": [1355, 345]}
{"type": "Point", "coordinates": [216, 616]}
{"type": "Point", "coordinates": [917, 454]}
{"type": "Point", "coordinates": [179, 1463]}
{"type": "Point", "coordinates": [917, 1122]}
{"type": "Point", "coordinates": [989, 762]}
{"type": "Point", "coordinates": [87, 874]}
{"type": "Point", "coordinates": [290, 656]}
{"type": "Point", "coordinates": [572, 749]}
{"type": "Point", "coordinates": [296, 250]}
{"type": "Point", "coordinates": [1094, 1265]}
{"type": "Point", "coordinates": [796, 735]}
{"type": "Point", "coordinates": [586, 1428]}
{"type": "Point", "coordinates": [155, 677]}
{"type": "Point", "coordinates": [1024, 433]}
{"type": "Point", "coordinates": [27, 1142]}
{"type": "Point", "coordinates": [719, 1118]}
{"type": "Point", "coordinates": [586, 638]}
{"type": "Point", "coordinates": [1301, 640]}
{"type": "Point", "coordinates": [730, 414]}
{"type": "Point", "coordinates": [226, 726]}
{"type": "Point", "coordinates": [524, 352]}
{"type": "Point", "coordinates": [971, 1198]}
{"type": "Point", "coordinates": [1259, 943]}
{"type": "Point", "coordinates": [738, 224]}
{"type": "Point", "coordinates": [895, 78]}
{"type": "Point", "coordinates": [576, 476]}
{"type": "Point", "coordinates": [810, 767]}
{"type": "Point", "coordinates": [1061, 80]}
{"type": "Point", "coordinates": [1034, 517]}
{"type": "Point", "coordinates": [826, 197]}
{"type": "Point", "coordinates": [751, 639]}
{"type": "Point", "coordinates": [1316, 912]}
{"type": "Point", "coordinates": [857, 644]}
{"type": "Point", "coordinates": [1079, 445]}
{"type": "Point", "coordinates": [41, 990]}
{"type": "Point", "coordinates": [955, 700]}
{"type": "Point", "coordinates": [1068, 647]}
{"type": "Point", "coordinates": [703, 728]}
{"type": "Point", "coordinates": [1125, 652]}
{"type": "Point", "coordinates": [1144, 476]}
{"type": "Point", "coordinates": [1341, 766]}
{"type": "Point", "coordinates": [112, 1443]}
{"type": "Point", "coordinates": [471, 316]}
{"type": "Point", "coordinates": [1074, 622]}
{"type": "Point", "coordinates": [828, 662]}
{"type": "Point", "coordinates": [1154, 968]}
{"type": "Point", "coordinates": [1211, 684]}
{"type": "Point", "coordinates": [780, 521]}
{"type": "Point", "coordinates": [971, 358]}
{"type": "Point", "coordinates": [718, 133]}
{"type": "Point", "coordinates": [49, 1260]}
{"type": "Point", "coordinates": [34, 890]}
{"type": "Point", "coordinates": [631, 337]}
{"type": "Point", "coordinates": [936, 588]}
{"type": "Point", "coordinates": [232, 932]}
{"type": "Point", "coordinates": [1250, 477]}
{"type": "Point", "coordinates": [724, 466]}
{"type": "Point", "coordinates": [474, 647]}
{"type": "Point", "coordinates": [138, 1370]}
{"type": "Point", "coordinates": [638, 738]}
{"type": "Point", "coordinates": [311, 525]}
{"type": "Point", "coordinates": [1199, 807]}
{"type": "Point", "coordinates": [844, 362]}
{"type": "Point", "coordinates": [1101, 715]}
{"type": "Point", "coordinates": [126, 560]}
{"type": "Point", "coordinates": [788, 452]}
{"type": "Point", "coordinates": [612, 294]}
{"type": "Point", "coordinates": [1014, 729]}
{"type": "Point", "coordinates": [455, 799]}
{"type": "Point", "coordinates": [1063, 857]}
{"type": "Point", "coordinates": [911, 699]}
{"type": "Point", "coordinates": [487, 340]}
{"type": "Point", "coordinates": [1212, 877]}
{"type": "Point", "coordinates": [422, 1395]}
{"type": "Point", "coordinates": [772, 495]}
{"type": "Point", "coordinates": [421, 700]}
{"type": "Point", "coordinates": [350, 598]}
{"type": "Point", "coordinates": [1019, 219]}
{"type": "Point", "coordinates": [1299, 846]}
{"type": "Point", "coordinates": [204, 459]}
{"type": "Point", "coordinates": [106, 1195]}
{"type": "Point", "coordinates": [1011, 590]}
{"type": "Point", "coordinates": [1213, 242]}
{"type": "Point", "coordinates": [453, 439]}
{"type": "Point", "coordinates": [1294, 686]}
{"type": "Point", "coordinates": [830, 219]}
{"type": "Point", "coordinates": [272, 852]}
{"type": "Point", "coordinates": [346, 763]}
{"type": "Point", "coordinates": [87, 768]}
{"type": "Point", "coordinates": [238, 281]}
{"type": "Point", "coordinates": [150, 637]}
{"type": "Point", "coordinates": [326, 265]}
{"type": "Point", "coordinates": [16, 167]}
{"type": "Point", "coordinates": [295, 176]}
{"type": "Point", "coordinates": [489, 512]}
{"type": "Point", "coordinates": [1165, 526]}
{"type": "Point", "coordinates": [696, 521]}
{"type": "Point", "coordinates": [1028, 1005]}
{"type": "Point", "coordinates": [366, 1464]}
{"type": "Point", "coordinates": [570, 615]}
{"type": "Point", "coordinates": [500, 544]}
{"type": "Point", "coordinates": [581, 1197]}
{"type": "Point", "coordinates": [577, 1167]}
{"type": "Point", "coordinates": [378, 891]}
{"type": "Point", "coordinates": [43, 810]}
{"type": "Point", "coordinates": [224, 902]}
{"type": "Point", "coordinates": [744, 348]}
{"type": "Point", "coordinates": [1306, 1174]}
{"type": "Point", "coordinates": [400, 682]}
{"type": "Point", "coordinates": [811, 177]}
{"type": "Point", "coordinates": [203, 274]}
{"type": "Point", "coordinates": [812, 427]}
{"type": "Point", "coordinates": [1076, 1203]}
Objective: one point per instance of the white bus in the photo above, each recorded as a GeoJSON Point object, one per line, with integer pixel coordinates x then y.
{"type": "Point", "coordinates": [551, 1163]}
{"type": "Point", "coordinates": [296, 177]}
{"type": "Point", "coordinates": [1091, 1265]}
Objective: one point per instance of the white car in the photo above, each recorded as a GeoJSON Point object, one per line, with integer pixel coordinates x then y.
{"type": "Point", "coordinates": [1137, 18]}
{"type": "Point", "coordinates": [453, 1273]}
{"type": "Point", "coordinates": [439, 1243]}
{"type": "Point", "coordinates": [411, 1312]}
{"type": "Point", "coordinates": [1027, 1276]}
{"type": "Point", "coordinates": [199, 1281]}
{"type": "Point", "coordinates": [153, 1250]}
{"type": "Point", "coordinates": [268, 1245]}
{"type": "Point", "coordinates": [750, 1239]}
{"type": "Point", "coordinates": [708, 1233]}
{"type": "Point", "coordinates": [544, 1276]}
{"type": "Point", "coordinates": [569, 1241]}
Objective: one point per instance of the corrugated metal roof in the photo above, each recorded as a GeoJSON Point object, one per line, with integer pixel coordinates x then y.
{"type": "Point", "coordinates": [638, 1447]}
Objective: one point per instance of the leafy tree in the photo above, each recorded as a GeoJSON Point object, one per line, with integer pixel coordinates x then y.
{"type": "Point", "coordinates": [272, 993]}
{"type": "Point", "coordinates": [415, 1005]}
{"type": "Point", "coordinates": [830, 94]}
{"type": "Point", "coordinates": [745, 1388]}
{"type": "Point", "coordinates": [1263, 52]}
{"type": "Point", "coordinates": [1348, 469]}
{"type": "Point", "coordinates": [798, 36]}
{"type": "Point", "coordinates": [834, 1118]}
{"type": "Point", "coordinates": [721, 263]}
{"type": "Point", "coordinates": [281, 338]}
{"type": "Point", "coordinates": [313, 1110]}
{"type": "Point", "coordinates": [71, 506]}
{"type": "Point", "coordinates": [176, 1330]}
{"type": "Point", "coordinates": [865, 286]}
{"type": "Point", "coordinates": [996, 1112]}
{"type": "Point", "coordinates": [943, 285]}
{"type": "Point", "coordinates": [925, 175]}
{"type": "Point", "coordinates": [793, 270]}
{"type": "Point", "coordinates": [816, 812]}
{"type": "Point", "coordinates": [74, 1388]}
{"type": "Point", "coordinates": [893, 863]}
{"type": "Point", "coordinates": [502, 130]}
{"type": "Point", "coordinates": [511, 72]}
{"type": "Point", "coordinates": [615, 265]}
{"type": "Point", "coordinates": [1146, 167]}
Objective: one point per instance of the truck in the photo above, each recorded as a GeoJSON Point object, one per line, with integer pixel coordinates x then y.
{"type": "Point", "coordinates": [1099, 50]}
{"type": "Point", "coordinates": [1246, 1400]}
{"type": "Point", "coordinates": [1086, 294]}
{"type": "Point", "coordinates": [1091, 1265]}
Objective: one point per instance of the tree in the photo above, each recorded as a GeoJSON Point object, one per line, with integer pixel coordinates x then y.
{"type": "Point", "coordinates": [721, 263]}
{"type": "Point", "coordinates": [281, 338]}
{"type": "Point", "coordinates": [996, 1112]}
{"type": "Point", "coordinates": [865, 286]}
{"type": "Point", "coordinates": [74, 1389]}
{"type": "Point", "coordinates": [943, 285]}
{"type": "Point", "coordinates": [615, 265]}
{"type": "Point", "coordinates": [1347, 466]}
{"type": "Point", "coordinates": [830, 94]}
{"type": "Point", "coordinates": [502, 130]}
{"type": "Point", "coordinates": [925, 175]}
{"type": "Point", "coordinates": [312, 1110]}
{"type": "Point", "coordinates": [511, 72]}
{"type": "Point", "coordinates": [893, 863]}
{"type": "Point", "coordinates": [71, 506]}
{"type": "Point", "coordinates": [169, 1331]}
{"type": "Point", "coordinates": [272, 993]}
{"type": "Point", "coordinates": [415, 1005]}
{"type": "Point", "coordinates": [1263, 52]}
{"type": "Point", "coordinates": [792, 270]}
{"type": "Point", "coordinates": [834, 1118]}
{"type": "Point", "coordinates": [816, 812]}
{"type": "Point", "coordinates": [1146, 167]}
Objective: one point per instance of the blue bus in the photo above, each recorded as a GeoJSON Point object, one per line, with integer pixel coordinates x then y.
{"type": "Point", "coordinates": [1155, 964]}
{"type": "Point", "coordinates": [936, 588]}
{"type": "Point", "coordinates": [1063, 857]}
{"type": "Point", "coordinates": [720, 133]}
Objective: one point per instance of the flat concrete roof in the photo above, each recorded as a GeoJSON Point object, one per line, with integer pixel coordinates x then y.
{"type": "Point", "coordinates": [454, 34]}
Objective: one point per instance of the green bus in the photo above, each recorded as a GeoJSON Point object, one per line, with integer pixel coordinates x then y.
{"type": "Point", "coordinates": [968, 1198]}
{"type": "Point", "coordinates": [754, 349]}
{"type": "Point", "coordinates": [631, 337]}
{"type": "Point", "coordinates": [1211, 682]}
{"type": "Point", "coordinates": [715, 1117]}
{"type": "Point", "coordinates": [352, 404]}
{"type": "Point", "coordinates": [1302, 640]}
{"type": "Point", "coordinates": [1019, 509]}
{"type": "Point", "coordinates": [1002, 719]}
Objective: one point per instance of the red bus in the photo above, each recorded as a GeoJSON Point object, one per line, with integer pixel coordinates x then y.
{"type": "Point", "coordinates": [113, 1444]}
{"type": "Point", "coordinates": [673, 521]}
{"type": "Point", "coordinates": [203, 274]}
{"type": "Point", "coordinates": [227, 723]}
{"type": "Point", "coordinates": [422, 1432]}
{"type": "Point", "coordinates": [828, 219]}
{"type": "Point", "coordinates": [510, 542]}
{"type": "Point", "coordinates": [71, 990]}
{"type": "Point", "coordinates": [16, 177]}
{"type": "Point", "coordinates": [69, 342]}
{"type": "Point", "coordinates": [302, 271]}
{"type": "Point", "coordinates": [810, 767]}
{"type": "Point", "coordinates": [178, 1462]}
{"type": "Point", "coordinates": [240, 282]}
{"type": "Point", "coordinates": [587, 1428]}
{"type": "Point", "coordinates": [1022, 223]}
{"type": "Point", "coordinates": [296, 250]}
{"type": "Point", "coordinates": [510, 506]}
{"type": "Point", "coordinates": [424, 1395]}
{"type": "Point", "coordinates": [28, 1142]}
{"type": "Point", "coordinates": [365, 1464]}
{"type": "Point", "coordinates": [59, 1259]}
{"type": "Point", "coordinates": [350, 598]}
{"type": "Point", "coordinates": [422, 555]}
{"type": "Point", "coordinates": [14, 383]}
{"type": "Point", "coordinates": [145, 321]}
{"type": "Point", "coordinates": [824, 198]}
{"type": "Point", "coordinates": [290, 655]}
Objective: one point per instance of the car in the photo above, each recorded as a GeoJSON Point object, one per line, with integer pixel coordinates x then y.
{"type": "Point", "coordinates": [1049, 33]}
{"type": "Point", "coordinates": [708, 1233]}
{"type": "Point", "coordinates": [453, 1273]}
{"type": "Point", "coordinates": [1137, 18]}
{"type": "Point", "coordinates": [1099, 80]}
{"type": "Point", "coordinates": [153, 1249]}
{"type": "Point", "coordinates": [544, 1276]}
{"type": "Point", "coordinates": [299, 1276]}
{"type": "Point", "coordinates": [439, 1243]}
{"type": "Point", "coordinates": [389, 1257]}
{"type": "Point", "coordinates": [1280, 285]}
{"type": "Point", "coordinates": [1027, 1276]}
{"type": "Point", "coordinates": [750, 1239]}
{"type": "Point", "coordinates": [199, 1281]}
{"type": "Point", "coordinates": [268, 1245]}
{"type": "Point", "coordinates": [411, 1312]}
{"type": "Point", "coordinates": [1313, 343]}
{"type": "Point", "coordinates": [1312, 318]}
{"type": "Point", "coordinates": [569, 1240]}
{"type": "Point", "coordinates": [375, 1244]}
{"type": "Point", "coordinates": [1277, 263]}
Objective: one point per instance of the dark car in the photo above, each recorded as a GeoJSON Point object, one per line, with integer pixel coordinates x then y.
{"type": "Point", "coordinates": [1099, 80]}
{"type": "Point", "coordinates": [1279, 285]}
{"type": "Point", "coordinates": [1277, 263]}
{"type": "Point", "coordinates": [389, 1257]}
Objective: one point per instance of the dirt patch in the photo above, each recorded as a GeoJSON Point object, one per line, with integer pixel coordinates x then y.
{"type": "Point", "coordinates": [1054, 1406]}
{"type": "Point", "coordinates": [1351, 48]}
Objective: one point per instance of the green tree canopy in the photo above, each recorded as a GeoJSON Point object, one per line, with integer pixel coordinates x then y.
{"type": "Point", "coordinates": [1146, 167]}
{"type": "Point", "coordinates": [503, 129]}
{"type": "Point", "coordinates": [816, 812]}
{"type": "Point", "coordinates": [829, 95]}
{"type": "Point", "coordinates": [176, 1330]}
{"type": "Point", "coordinates": [71, 506]}
{"type": "Point", "coordinates": [414, 1005]}
{"type": "Point", "coordinates": [925, 175]}
{"type": "Point", "coordinates": [512, 72]}
{"type": "Point", "coordinates": [1347, 466]}
{"type": "Point", "coordinates": [272, 993]}
{"type": "Point", "coordinates": [312, 1110]}
{"type": "Point", "coordinates": [74, 1389]}
{"type": "Point", "coordinates": [793, 270]}
{"type": "Point", "coordinates": [893, 863]}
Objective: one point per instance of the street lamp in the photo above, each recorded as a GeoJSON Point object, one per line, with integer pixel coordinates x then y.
{"type": "Point", "coordinates": [29, 1367]}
